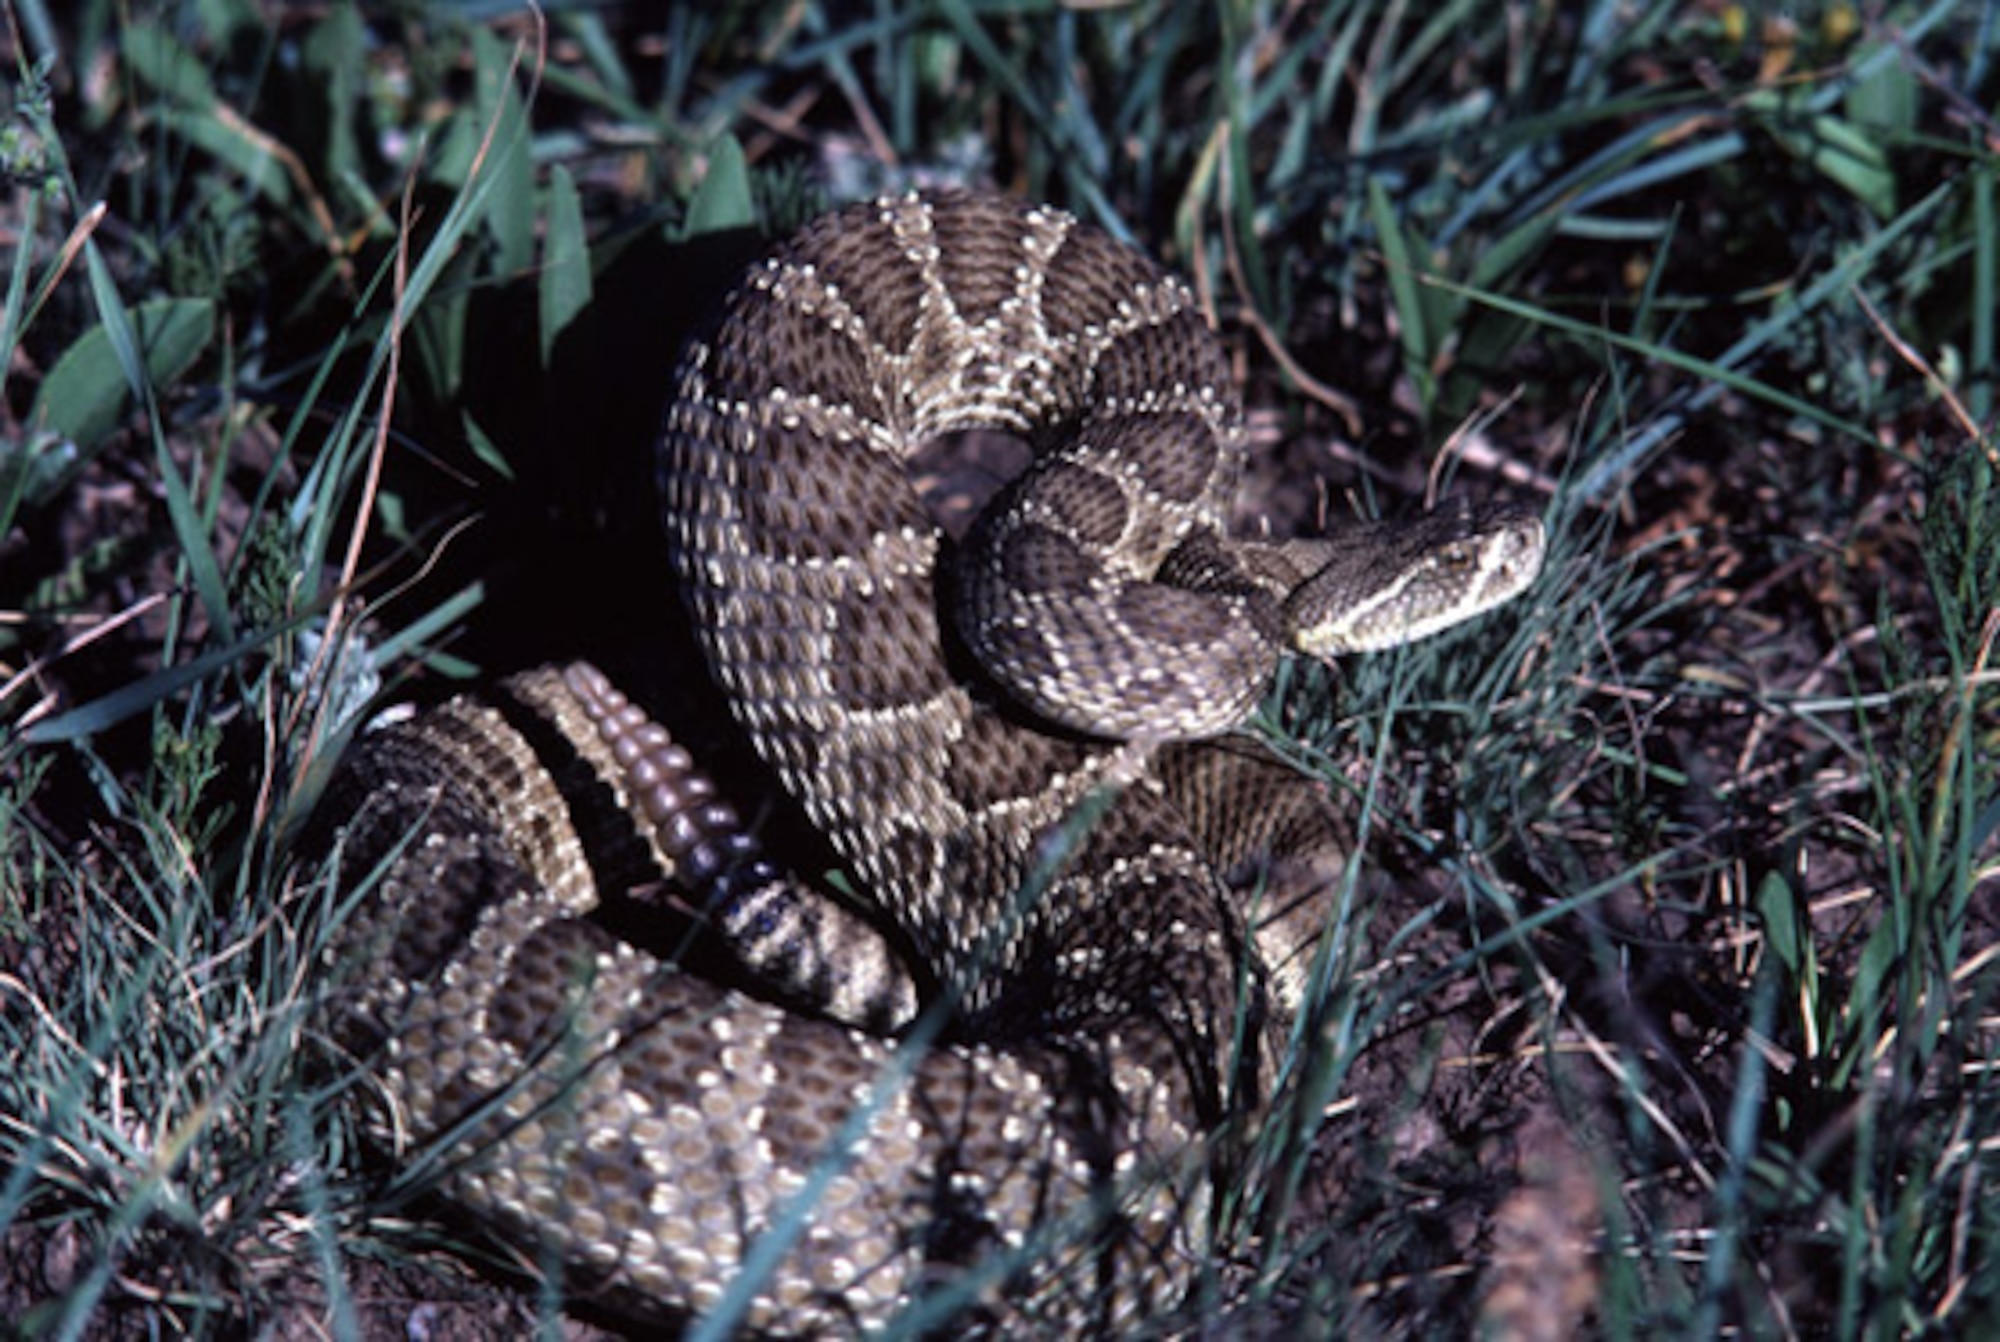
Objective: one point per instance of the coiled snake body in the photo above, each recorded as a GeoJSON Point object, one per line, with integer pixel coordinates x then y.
{"type": "Point", "coordinates": [1009, 745]}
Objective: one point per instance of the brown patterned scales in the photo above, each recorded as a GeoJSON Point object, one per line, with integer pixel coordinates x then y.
{"type": "Point", "coordinates": [978, 732]}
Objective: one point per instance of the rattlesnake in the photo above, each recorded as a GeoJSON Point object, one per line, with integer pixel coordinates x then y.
{"type": "Point", "coordinates": [1007, 745]}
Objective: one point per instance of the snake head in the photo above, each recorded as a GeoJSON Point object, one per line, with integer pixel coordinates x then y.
{"type": "Point", "coordinates": [1378, 585]}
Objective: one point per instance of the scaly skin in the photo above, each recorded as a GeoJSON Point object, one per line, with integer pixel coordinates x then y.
{"type": "Point", "coordinates": [978, 732]}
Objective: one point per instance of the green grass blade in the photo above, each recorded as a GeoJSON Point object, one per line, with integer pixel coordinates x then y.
{"type": "Point", "coordinates": [723, 200]}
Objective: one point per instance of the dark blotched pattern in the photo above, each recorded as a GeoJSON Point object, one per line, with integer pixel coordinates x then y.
{"type": "Point", "coordinates": [650, 1123]}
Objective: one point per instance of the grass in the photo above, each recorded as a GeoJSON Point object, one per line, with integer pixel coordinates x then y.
{"type": "Point", "coordinates": [1671, 972]}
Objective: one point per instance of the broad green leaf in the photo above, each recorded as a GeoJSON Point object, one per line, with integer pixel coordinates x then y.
{"type": "Point", "coordinates": [1985, 824]}
{"type": "Point", "coordinates": [1887, 99]}
{"type": "Point", "coordinates": [565, 278]}
{"type": "Point", "coordinates": [87, 394]}
{"type": "Point", "coordinates": [1782, 930]}
{"type": "Point", "coordinates": [226, 23]}
{"type": "Point", "coordinates": [722, 201]}
{"type": "Point", "coordinates": [435, 344]}
{"type": "Point", "coordinates": [168, 66]}
{"type": "Point", "coordinates": [335, 54]}
{"type": "Point", "coordinates": [455, 142]}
